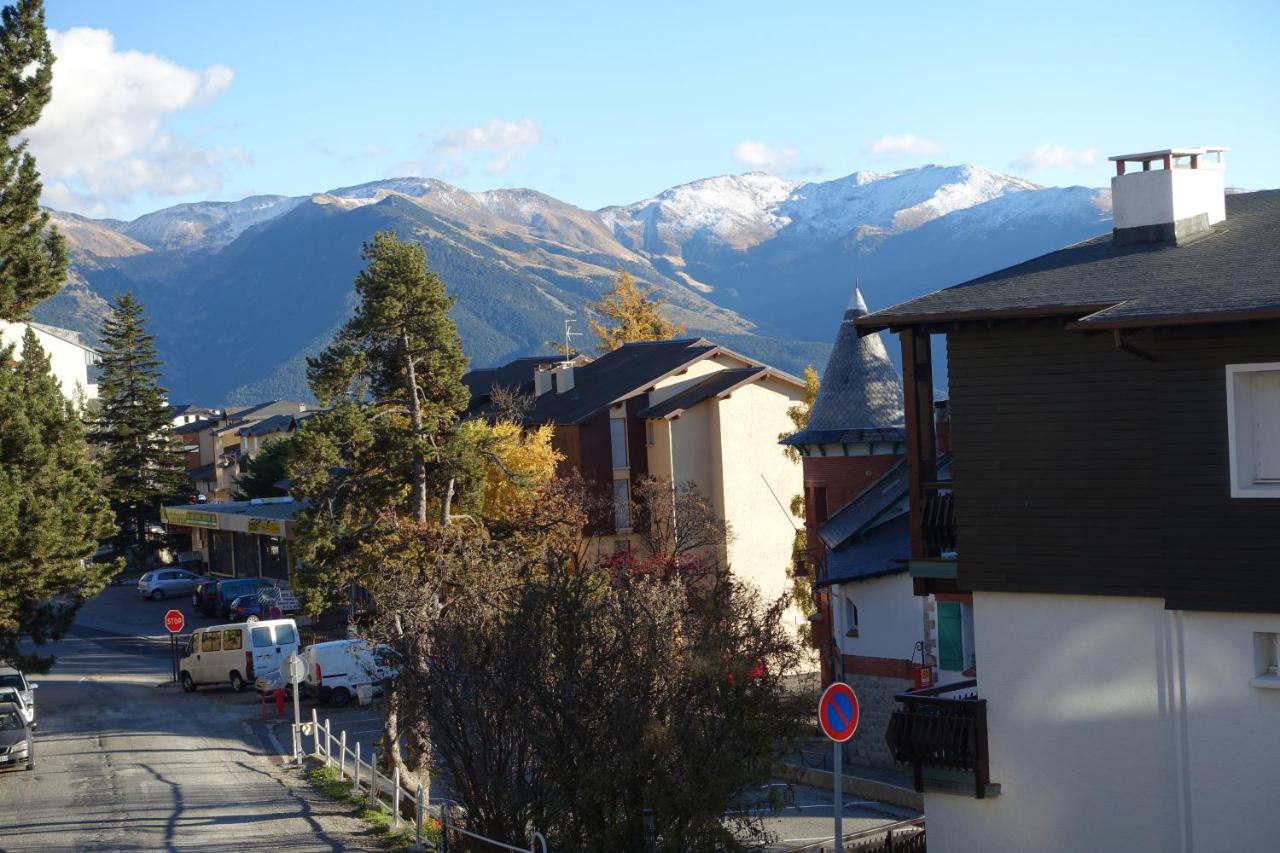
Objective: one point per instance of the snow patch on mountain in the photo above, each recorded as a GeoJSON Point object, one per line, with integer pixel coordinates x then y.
{"type": "Point", "coordinates": [206, 224]}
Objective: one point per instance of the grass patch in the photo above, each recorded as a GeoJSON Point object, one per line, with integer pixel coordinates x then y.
{"type": "Point", "coordinates": [328, 781]}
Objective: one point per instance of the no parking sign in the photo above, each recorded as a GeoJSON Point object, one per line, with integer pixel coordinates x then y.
{"type": "Point", "coordinates": [838, 712]}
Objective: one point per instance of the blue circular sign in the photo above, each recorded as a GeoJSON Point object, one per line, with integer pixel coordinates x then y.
{"type": "Point", "coordinates": [838, 712]}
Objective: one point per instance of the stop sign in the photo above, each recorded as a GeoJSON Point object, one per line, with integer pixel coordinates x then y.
{"type": "Point", "coordinates": [174, 620]}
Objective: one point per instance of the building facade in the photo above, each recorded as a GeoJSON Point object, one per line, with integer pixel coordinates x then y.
{"type": "Point", "coordinates": [1115, 414]}
{"type": "Point", "coordinates": [69, 357]}
{"type": "Point", "coordinates": [684, 412]}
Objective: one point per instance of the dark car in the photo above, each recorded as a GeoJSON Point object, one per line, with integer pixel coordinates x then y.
{"type": "Point", "coordinates": [17, 746]}
{"type": "Point", "coordinates": [205, 598]}
{"type": "Point", "coordinates": [232, 588]}
{"type": "Point", "coordinates": [250, 608]}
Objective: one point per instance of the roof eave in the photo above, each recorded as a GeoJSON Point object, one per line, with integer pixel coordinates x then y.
{"type": "Point", "coordinates": [883, 320]}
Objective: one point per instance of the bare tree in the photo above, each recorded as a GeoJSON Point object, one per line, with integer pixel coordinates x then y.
{"type": "Point", "coordinates": [677, 522]}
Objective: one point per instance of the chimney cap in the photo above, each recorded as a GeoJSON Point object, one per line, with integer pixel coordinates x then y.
{"type": "Point", "coordinates": [1148, 156]}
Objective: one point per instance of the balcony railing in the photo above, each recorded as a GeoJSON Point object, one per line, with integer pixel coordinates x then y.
{"type": "Point", "coordinates": [935, 732]}
{"type": "Point", "coordinates": [938, 524]}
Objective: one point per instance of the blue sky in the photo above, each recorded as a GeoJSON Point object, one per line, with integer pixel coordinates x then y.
{"type": "Point", "coordinates": [601, 104]}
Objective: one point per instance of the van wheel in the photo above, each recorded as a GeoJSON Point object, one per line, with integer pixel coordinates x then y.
{"type": "Point", "coordinates": [188, 683]}
{"type": "Point", "coordinates": [157, 595]}
{"type": "Point", "coordinates": [237, 683]}
{"type": "Point", "coordinates": [340, 697]}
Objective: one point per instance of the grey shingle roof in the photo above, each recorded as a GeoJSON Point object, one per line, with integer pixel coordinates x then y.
{"type": "Point", "coordinates": [872, 504]}
{"type": "Point", "coordinates": [860, 388]}
{"type": "Point", "coordinates": [884, 550]}
{"type": "Point", "coordinates": [275, 423]}
{"type": "Point", "coordinates": [713, 385]}
{"type": "Point", "coordinates": [195, 426]}
{"type": "Point", "coordinates": [516, 374]}
{"type": "Point", "coordinates": [1231, 273]}
{"type": "Point", "coordinates": [615, 375]}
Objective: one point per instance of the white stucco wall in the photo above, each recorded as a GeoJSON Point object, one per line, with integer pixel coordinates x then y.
{"type": "Point", "coordinates": [68, 362]}
{"type": "Point", "coordinates": [1117, 725]}
{"type": "Point", "coordinates": [890, 617]}
{"type": "Point", "coordinates": [756, 476]}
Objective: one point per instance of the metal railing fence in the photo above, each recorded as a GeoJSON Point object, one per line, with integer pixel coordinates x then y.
{"type": "Point", "coordinates": [334, 752]}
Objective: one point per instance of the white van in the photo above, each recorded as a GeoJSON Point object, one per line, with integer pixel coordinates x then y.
{"type": "Point", "coordinates": [336, 670]}
{"type": "Point", "coordinates": [236, 653]}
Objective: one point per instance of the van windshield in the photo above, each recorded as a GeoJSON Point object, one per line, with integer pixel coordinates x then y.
{"type": "Point", "coordinates": [286, 634]}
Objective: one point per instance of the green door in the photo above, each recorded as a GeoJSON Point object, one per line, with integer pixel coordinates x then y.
{"type": "Point", "coordinates": [950, 637]}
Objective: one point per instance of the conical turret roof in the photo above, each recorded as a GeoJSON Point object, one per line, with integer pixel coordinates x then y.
{"type": "Point", "coordinates": [860, 391]}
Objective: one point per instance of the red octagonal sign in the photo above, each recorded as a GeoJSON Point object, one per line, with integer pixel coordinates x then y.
{"type": "Point", "coordinates": [174, 620]}
{"type": "Point", "coordinates": [838, 712]}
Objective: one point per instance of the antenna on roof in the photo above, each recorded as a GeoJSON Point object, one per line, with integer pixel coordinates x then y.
{"type": "Point", "coordinates": [567, 350]}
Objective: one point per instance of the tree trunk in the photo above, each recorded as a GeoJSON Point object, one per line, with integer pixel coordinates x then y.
{"type": "Point", "coordinates": [419, 497]}
{"type": "Point", "coordinates": [446, 504]}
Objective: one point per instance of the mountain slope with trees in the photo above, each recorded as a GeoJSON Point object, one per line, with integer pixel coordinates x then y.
{"type": "Point", "coordinates": [242, 292]}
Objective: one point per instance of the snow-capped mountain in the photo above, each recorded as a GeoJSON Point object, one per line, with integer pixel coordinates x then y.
{"type": "Point", "coordinates": [761, 263]}
{"type": "Point", "coordinates": [206, 224]}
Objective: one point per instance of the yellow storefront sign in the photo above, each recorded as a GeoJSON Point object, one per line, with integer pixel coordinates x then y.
{"type": "Point", "coordinates": [191, 517]}
{"type": "Point", "coordinates": [265, 526]}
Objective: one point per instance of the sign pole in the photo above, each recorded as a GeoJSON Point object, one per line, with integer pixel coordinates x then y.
{"type": "Point", "coordinates": [838, 718]}
{"type": "Point", "coordinates": [296, 674]}
{"type": "Point", "coordinates": [838, 785]}
{"type": "Point", "coordinates": [174, 622]}
{"type": "Point", "coordinates": [173, 657]}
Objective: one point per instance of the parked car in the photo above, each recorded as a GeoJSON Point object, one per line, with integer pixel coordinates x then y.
{"type": "Point", "coordinates": [10, 677]}
{"type": "Point", "coordinates": [250, 608]}
{"type": "Point", "coordinates": [17, 746]}
{"type": "Point", "coordinates": [11, 695]}
{"type": "Point", "coordinates": [232, 588]}
{"type": "Point", "coordinates": [205, 596]}
{"type": "Point", "coordinates": [337, 669]}
{"type": "Point", "coordinates": [235, 653]}
{"type": "Point", "coordinates": [162, 583]}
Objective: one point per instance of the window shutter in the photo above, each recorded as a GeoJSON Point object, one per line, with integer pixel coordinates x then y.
{"type": "Point", "coordinates": [950, 637]}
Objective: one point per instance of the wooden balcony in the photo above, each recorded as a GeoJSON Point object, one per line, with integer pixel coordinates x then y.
{"type": "Point", "coordinates": [938, 522]}
{"type": "Point", "coordinates": [942, 733]}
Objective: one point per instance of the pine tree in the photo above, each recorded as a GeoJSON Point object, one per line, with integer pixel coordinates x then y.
{"type": "Point", "coordinates": [52, 513]}
{"type": "Point", "coordinates": [33, 258]}
{"type": "Point", "coordinates": [630, 313]}
{"type": "Point", "coordinates": [142, 456]}
{"type": "Point", "coordinates": [401, 353]}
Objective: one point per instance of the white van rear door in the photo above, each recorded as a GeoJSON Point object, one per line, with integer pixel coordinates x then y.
{"type": "Point", "coordinates": [286, 636]}
{"type": "Point", "coordinates": [265, 659]}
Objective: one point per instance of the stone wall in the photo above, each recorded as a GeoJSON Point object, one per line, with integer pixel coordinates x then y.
{"type": "Point", "coordinates": [875, 705]}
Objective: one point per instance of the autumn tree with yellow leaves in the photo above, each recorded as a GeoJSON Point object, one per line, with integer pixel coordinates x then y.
{"type": "Point", "coordinates": [630, 313]}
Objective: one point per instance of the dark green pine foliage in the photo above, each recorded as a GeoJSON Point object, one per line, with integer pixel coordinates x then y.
{"type": "Point", "coordinates": [52, 512]}
{"type": "Point", "coordinates": [141, 456]}
{"type": "Point", "coordinates": [400, 359]}
{"type": "Point", "coordinates": [33, 258]}
{"type": "Point", "coordinates": [260, 475]}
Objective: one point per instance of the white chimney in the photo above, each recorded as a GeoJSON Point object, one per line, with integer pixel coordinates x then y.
{"type": "Point", "coordinates": [542, 382]}
{"type": "Point", "coordinates": [563, 373]}
{"type": "Point", "coordinates": [1177, 202]}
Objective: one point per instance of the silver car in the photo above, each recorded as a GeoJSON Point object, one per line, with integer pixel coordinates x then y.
{"type": "Point", "coordinates": [16, 746]}
{"type": "Point", "coordinates": [10, 677]}
{"type": "Point", "coordinates": [162, 583]}
{"type": "Point", "coordinates": [9, 694]}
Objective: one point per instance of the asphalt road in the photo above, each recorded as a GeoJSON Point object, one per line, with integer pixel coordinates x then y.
{"type": "Point", "coordinates": [123, 764]}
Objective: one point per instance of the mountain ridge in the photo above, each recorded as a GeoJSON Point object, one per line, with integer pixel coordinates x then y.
{"type": "Point", "coordinates": [761, 260]}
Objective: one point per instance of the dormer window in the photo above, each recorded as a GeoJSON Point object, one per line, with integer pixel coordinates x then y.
{"type": "Point", "coordinates": [1253, 429]}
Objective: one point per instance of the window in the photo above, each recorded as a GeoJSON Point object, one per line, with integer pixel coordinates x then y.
{"type": "Point", "coordinates": [819, 504]}
{"type": "Point", "coordinates": [622, 546]}
{"type": "Point", "coordinates": [232, 640]}
{"type": "Point", "coordinates": [649, 434]}
{"type": "Point", "coordinates": [618, 441]}
{"type": "Point", "coordinates": [622, 504]}
{"type": "Point", "coordinates": [850, 618]}
{"type": "Point", "coordinates": [285, 634]}
{"type": "Point", "coordinates": [1253, 429]}
{"type": "Point", "coordinates": [1266, 660]}
{"type": "Point", "coordinates": [261, 637]}
{"type": "Point", "coordinates": [211, 641]}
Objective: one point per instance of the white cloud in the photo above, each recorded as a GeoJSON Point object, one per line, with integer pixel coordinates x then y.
{"type": "Point", "coordinates": [1044, 157]}
{"type": "Point", "coordinates": [501, 142]}
{"type": "Point", "coordinates": [904, 144]}
{"type": "Point", "coordinates": [102, 140]}
{"type": "Point", "coordinates": [761, 156]}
